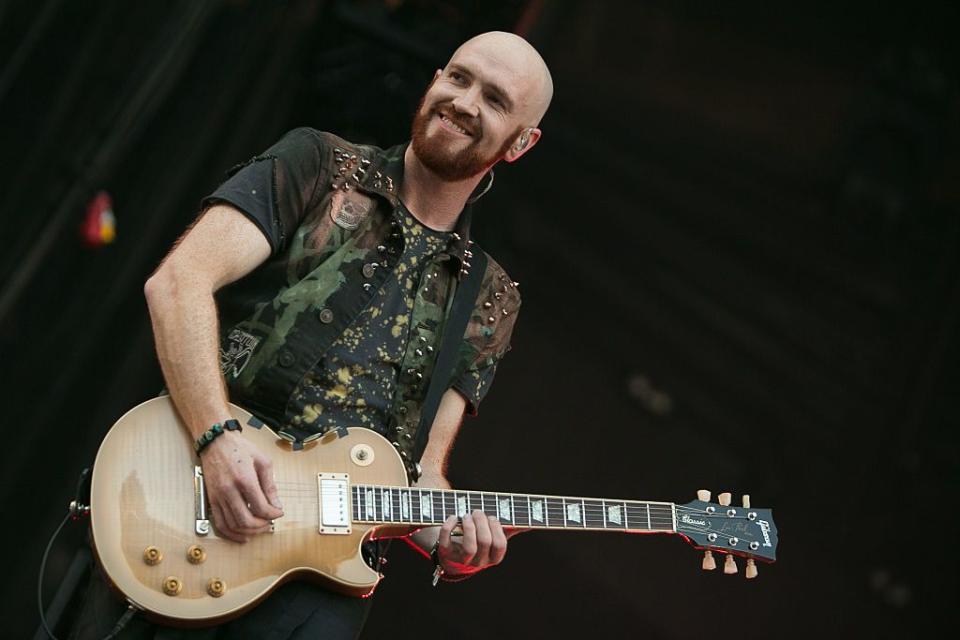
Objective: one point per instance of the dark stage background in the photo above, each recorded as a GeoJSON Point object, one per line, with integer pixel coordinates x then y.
{"type": "Point", "coordinates": [737, 244]}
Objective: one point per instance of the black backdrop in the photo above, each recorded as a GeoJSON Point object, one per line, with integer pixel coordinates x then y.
{"type": "Point", "coordinates": [737, 244]}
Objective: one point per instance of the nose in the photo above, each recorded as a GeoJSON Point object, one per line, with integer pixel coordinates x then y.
{"type": "Point", "coordinates": [466, 102]}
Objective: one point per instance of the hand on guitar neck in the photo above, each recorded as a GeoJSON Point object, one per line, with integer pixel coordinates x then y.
{"type": "Point", "coordinates": [240, 487]}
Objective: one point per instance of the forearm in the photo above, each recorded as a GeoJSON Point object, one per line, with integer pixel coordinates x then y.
{"type": "Point", "coordinates": [184, 317]}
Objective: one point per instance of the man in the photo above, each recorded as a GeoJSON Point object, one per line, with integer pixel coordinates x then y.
{"type": "Point", "coordinates": [323, 273]}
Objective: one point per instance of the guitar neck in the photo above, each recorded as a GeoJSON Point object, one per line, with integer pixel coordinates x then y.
{"type": "Point", "coordinates": [375, 504]}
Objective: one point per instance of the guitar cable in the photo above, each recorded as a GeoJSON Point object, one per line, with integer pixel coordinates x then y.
{"type": "Point", "coordinates": [121, 622]}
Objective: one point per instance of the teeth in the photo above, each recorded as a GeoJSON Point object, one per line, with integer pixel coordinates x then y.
{"type": "Point", "coordinates": [454, 125]}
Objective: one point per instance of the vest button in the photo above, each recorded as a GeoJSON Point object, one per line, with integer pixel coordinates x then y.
{"type": "Point", "coordinates": [286, 359]}
{"type": "Point", "coordinates": [326, 316]}
{"type": "Point", "coordinates": [369, 269]}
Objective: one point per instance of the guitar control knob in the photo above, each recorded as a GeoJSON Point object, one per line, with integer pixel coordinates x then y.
{"type": "Point", "coordinates": [216, 587]}
{"type": "Point", "coordinates": [152, 556]}
{"type": "Point", "coordinates": [196, 554]}
{"type": "Point", "coordinates": [172, 585]}
{"type": "Point", "coordinates": [730, 565]}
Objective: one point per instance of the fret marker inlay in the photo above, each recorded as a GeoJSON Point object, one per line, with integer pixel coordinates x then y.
{"type": "Point", "coordinates": [425, 507]}
{"type": "Point", "coordinates": [387, 508]}
{"type": "Point", "coordinates": [461, 506]}
{"type": "Point", "coordinates": [368, 504]}
{"type": "Point", "coordinates": [613, 515]}
{"type": "Point", "coordinates": [536, 510]}
{"type": "Point", "coordinates": [505, 509]}
{"type": "Point", "coordinates": [573, 512]}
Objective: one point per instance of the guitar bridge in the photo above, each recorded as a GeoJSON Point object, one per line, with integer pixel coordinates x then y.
{"type": "Point", "coordinates": [334, 503]}
{"type": "Point", "coordinates": [201, 522]}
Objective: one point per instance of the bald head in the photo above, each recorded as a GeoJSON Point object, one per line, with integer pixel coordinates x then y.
{"type": "Point", "coordinates": [514, 60]}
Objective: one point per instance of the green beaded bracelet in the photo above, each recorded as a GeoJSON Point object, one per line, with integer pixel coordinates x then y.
{"type": "Point", "coordinates": [210, 434]}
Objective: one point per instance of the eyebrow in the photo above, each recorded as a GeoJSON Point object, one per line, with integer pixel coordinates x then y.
{"type": "Point", "coordinates": [501, 94]}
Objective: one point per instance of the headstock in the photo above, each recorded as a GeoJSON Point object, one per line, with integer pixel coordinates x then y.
{"type": "Point", "coordinates": [735, 531]}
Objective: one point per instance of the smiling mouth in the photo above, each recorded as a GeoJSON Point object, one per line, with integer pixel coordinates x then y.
{"type": "Point", "coordinates": [450, 124]}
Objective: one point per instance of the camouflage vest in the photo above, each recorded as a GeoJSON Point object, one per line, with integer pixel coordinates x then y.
{"type": "Point", "coordinates": [278, 322]}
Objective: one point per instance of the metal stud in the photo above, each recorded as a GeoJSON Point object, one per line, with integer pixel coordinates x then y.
{"type": "Point", "coordinates": [498, 295]}
{"type": "Point", "coordinates": [487, 305]}
{"type": "Point", "coordinates": [491, 319]}
{"type": "Point", "coordinates": [505, 312]}
{"type": "Point", "coordinates": [455, 236]}
{"type": "Point", "coordinates": [419, 353]}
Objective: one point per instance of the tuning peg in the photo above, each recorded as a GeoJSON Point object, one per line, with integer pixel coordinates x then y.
{"type": "Point", "coordinates": [724, 498]}
{"type": "Point", "coordinates": [746, 501]}
{"type": "Point", "coordinates": [709, 564]}
{"type": "Point", "coordinates": [729, 565]}
{"type": "Point", "coordinates": [703, 495]}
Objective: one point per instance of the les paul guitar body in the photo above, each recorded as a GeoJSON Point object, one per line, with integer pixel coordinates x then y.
{"type": "Point", "coordinates": [143, 510]}
{"type": "Point", "coordinates": [156, 544]}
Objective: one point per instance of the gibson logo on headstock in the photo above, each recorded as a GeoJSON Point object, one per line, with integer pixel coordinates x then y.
{"type": "Point", "coordinates": [765, 530]}
{"type": "Point", "coordinates": [686, 519]}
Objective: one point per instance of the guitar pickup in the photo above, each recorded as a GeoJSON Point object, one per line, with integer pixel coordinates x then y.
{"type": "Point", "coordinates": [334, 503]}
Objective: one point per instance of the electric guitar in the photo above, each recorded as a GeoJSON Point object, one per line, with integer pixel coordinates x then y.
{"type": "Point", "coordinates": [152, 533]}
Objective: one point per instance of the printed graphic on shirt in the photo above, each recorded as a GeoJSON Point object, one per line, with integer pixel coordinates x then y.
{"type": "Point", "coordinates": [348, 209]}
{"type": "Point", "coordinates": [234, 358]}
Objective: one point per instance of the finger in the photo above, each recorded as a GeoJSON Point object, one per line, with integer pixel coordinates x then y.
{"type": "Point", "coordinates": [444, 538]}
{"type": "Point", "coordinates": [265, 472]}
{"type": "Point", "coordinates": [236, 506]}
{"type": "Point", "coordinates": [469, 543]}
{"type": "Point", "coordinates": [498, 545]}
{"type": "Point", "coordinates": [484, 538]}
{"type": "Point", "coordinates": [221, 522]}
{"type": "Point", "coordinates": [257, 504]}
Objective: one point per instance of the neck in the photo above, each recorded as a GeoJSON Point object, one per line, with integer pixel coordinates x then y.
{"type": "Point", "coordinates": [435, 202]}
{"type": "Point", "coordinates": [423, 506]}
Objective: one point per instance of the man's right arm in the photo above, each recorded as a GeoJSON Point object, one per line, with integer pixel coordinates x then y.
{"type": "Point", "coordinates": [221, 247]}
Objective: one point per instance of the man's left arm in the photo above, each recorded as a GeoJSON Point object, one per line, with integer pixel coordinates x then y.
{"type": "Point", "coordinates": [484, 540]}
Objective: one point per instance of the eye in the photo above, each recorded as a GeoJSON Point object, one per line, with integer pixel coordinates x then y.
{"type": "Point", "coordinates": [494, 100]}
{"type": "Point", "coordinates": [457, 77]}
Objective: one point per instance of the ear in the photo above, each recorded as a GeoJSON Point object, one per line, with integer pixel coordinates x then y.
{"type": "Point", "coordinates": [527, 139]}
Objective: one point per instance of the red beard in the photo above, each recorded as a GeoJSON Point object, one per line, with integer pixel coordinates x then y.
{"type": "Point", "coordinates": [448, 164]}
